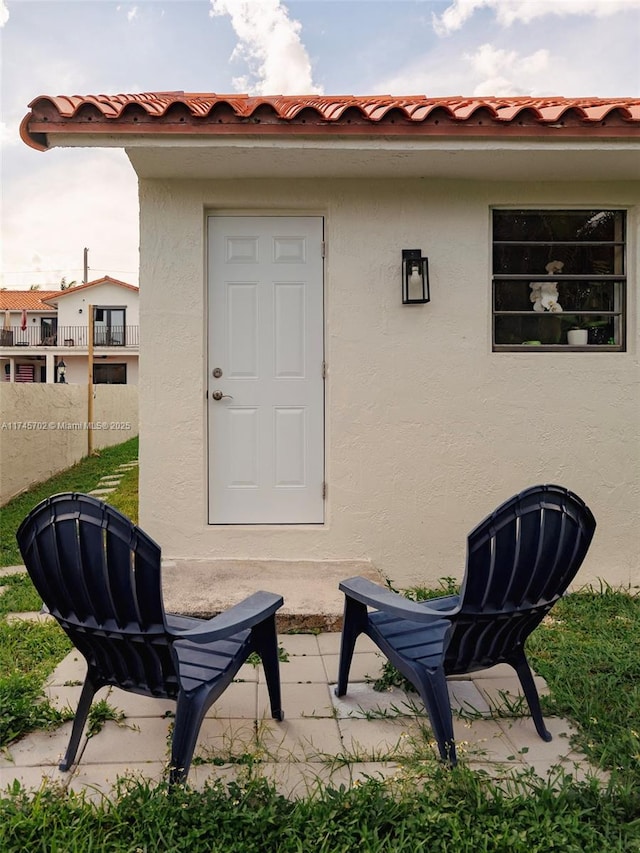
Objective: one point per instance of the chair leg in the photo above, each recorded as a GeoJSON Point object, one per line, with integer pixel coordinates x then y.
{"type": "Point", "coordinates": [265, 642]}
{"type": "Point", "coordinates": [523, 670]}
{"type": "Point", "coordinates": [190, 711]}
{"type": "Point", "coordinates": [432, 687]}
{"type": "Point", "coordinates": [82, 712]}
{"type": "Point", "coordinates": [353, 624]}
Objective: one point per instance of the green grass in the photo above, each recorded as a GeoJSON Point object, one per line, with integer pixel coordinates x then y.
{"type": "Point", "coordinates": [29, 652]}
{"type": "Point", "coordinates": [456, 811]}
{"type": "Point", "coordinates": [82, 477]}
{"type": "Point", "coordinates": [19, 595]}
{"type": "Point", "coordinates": [588, 650]}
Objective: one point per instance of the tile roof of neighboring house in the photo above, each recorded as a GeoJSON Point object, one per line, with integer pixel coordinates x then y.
{"type": "Point", "coordinates": [104, 280]}
{"type": "Point", "coordinates": [180, 113]}
{"type": "Point", "coordinates": [30, 300]}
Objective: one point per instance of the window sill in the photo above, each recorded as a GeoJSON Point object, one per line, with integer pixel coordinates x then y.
{"type": "Point", "coordinates": [557, 348]}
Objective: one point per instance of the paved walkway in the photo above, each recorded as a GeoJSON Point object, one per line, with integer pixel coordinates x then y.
{"type": "Point", "coordinates": [336, 741]}
{"type": "Point", "coordinates": [110, 482]}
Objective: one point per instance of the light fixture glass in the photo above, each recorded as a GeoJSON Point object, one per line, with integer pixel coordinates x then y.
{"type": "Point", "coordinates": [415, 277]}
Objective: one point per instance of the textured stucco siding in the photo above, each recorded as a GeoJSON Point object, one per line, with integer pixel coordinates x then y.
{"type": "Point", "coordinates": [427, 430]}
{"type": "Point", "coordinates": [43, 428]}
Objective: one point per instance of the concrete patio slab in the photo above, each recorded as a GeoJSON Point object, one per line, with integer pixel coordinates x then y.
{"type": "Point", "coordinates": [311, 740]}
{"type": "Point", "coordinates": [304, 779]}
{"type": "Point", "coordinates": [136, 740]}
{"type": "Point", "coordinates": [301, 700]}
{"type": "Point", "coordinates": [39, 749]}
{"type": "Point", "coordinates": [71, 670]}
{"type": "Point", "coordinates": [322, 739]}
{"type": "Point", "coordinates": [97, 781]}
{"type": "Point", "coordinates": [365, 666]}
{"type": "Point", "coordinates": [238, 702]}
{"type": "Point", "coordinates": [361, 700]}
{"type": "Point", "coordinates": [29, 616]}
{"type": "Point", "coordinates": [381, 740]}
{"type": "Point", "coordinates": [500, 692]}
{"type": "Point", "coordinates": [6, 571]}
{"type": "Point", "coordinates": [302, 669]}
{"type": "Point", "coordinates": [222, 740]}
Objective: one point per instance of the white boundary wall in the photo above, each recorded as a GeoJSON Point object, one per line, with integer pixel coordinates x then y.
{"type": "Point", "coordinates": [44, 430]}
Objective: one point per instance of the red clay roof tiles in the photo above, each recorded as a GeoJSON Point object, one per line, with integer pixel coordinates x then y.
{"type": "Point", "coordinates": [38, 300]}
{"type": "Point", "coordinates": [30, 300]}
{"type": "Point", "coordinates": [186, 113]}
{"type": "Point", "coordinates": [104, 280]}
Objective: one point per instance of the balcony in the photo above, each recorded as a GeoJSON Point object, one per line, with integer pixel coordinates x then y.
{"type": "Point", "coordinates": [71, 336]}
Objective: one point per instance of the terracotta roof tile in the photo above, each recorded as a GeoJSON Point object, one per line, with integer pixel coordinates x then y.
{"type": "Point", "coordinates": [214, 114]}
{"type": "Point", "coordinates": [30, 300]}
{"type": "Point", "coordinates": [104, 280]}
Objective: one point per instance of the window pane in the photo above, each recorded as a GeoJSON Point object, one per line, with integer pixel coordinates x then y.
{"type": "Point", "coordinates": [557, 225]}
{"type": "Point", "coordinates": [109, 374]}
{"type": "Point", "coordinates": [576, 259]}
{"type": "Point", "coordinates": [555, 270]}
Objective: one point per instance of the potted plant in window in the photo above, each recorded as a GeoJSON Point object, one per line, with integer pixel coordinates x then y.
{"type": "Point", "coordinates": [578, 334]}
{"type": "Point", "coordinates": [589, 328]}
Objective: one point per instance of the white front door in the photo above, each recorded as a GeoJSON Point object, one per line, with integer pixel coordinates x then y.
{"type": "Point", "coordinates": [266, 351]}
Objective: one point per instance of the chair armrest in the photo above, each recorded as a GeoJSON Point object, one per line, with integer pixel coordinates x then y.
{"type": "Point", "coordinates": [367, 592]}
{"type": "Point", "coordinates": [253, 610]}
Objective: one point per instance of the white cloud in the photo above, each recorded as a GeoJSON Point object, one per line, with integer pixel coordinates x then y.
{"type": "Point", "coordinates": [508, 12]}
{"type": "Point", "coordinates": [132, 14]}
{"type": "Point", "coordinates": [4, 14]}
{"type": "Point", "coordinates": [505, 72]}
{"type": "Point", "coordinates": [536, 60]}
{"type": "Point", "coordinates": [269, 41]}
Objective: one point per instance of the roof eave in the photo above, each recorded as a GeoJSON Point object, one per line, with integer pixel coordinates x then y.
{"type": "Point", "coordinates": [44, 135]}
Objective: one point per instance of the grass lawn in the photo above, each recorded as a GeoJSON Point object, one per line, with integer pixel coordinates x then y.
{"type": "Point", "coordinates": [82, 477]}
{"type": "Point", "coordinates": [588, 650]}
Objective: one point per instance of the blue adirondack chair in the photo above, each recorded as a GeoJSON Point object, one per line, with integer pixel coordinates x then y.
{"type": "Point", "coordinates": [520, 560]}
{"type": "Point", "coordinates": [99, 575]}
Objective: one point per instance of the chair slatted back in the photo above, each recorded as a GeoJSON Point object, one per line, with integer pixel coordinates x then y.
{"type": "Point", "coordinates": [99, 575]}
{"type": "Point", "coordinates": [520, 560]}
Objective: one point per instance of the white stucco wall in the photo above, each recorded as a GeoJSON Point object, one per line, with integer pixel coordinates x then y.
{"type": "Point", "coordinates": [427, 430]}
{"type": "Point", "coordinates": [77, 367]}
{"type": "Point", "coordinates": [73, 305]}
{"type": "Point", "coordinates": [43, 428]}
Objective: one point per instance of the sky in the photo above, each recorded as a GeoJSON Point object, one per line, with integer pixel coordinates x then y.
{"type": "Point", "coordinates": [54, 204]}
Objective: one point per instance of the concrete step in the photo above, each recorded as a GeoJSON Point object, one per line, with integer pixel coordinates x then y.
{"type": "Point", "coordinates": [312, 599]}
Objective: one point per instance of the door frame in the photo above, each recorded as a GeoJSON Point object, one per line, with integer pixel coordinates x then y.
{"type": "Point", "coordinates": [213, 213]}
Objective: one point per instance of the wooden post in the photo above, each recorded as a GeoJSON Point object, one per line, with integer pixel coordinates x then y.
{"type": "Point", "coordinates": [90, 383]}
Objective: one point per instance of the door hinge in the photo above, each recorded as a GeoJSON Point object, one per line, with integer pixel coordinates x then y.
{"type": "Point", "coordinates": [323, 249]}
{"type": "Point", "coordinates": [324, 369]}
{"type": "Point", "coordinates": [324, 491]}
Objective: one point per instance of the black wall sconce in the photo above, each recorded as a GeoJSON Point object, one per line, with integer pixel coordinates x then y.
{"type": "Point", "coordinates": [62, 369]}
{"type": "Point", "coordinates": [415, 277]}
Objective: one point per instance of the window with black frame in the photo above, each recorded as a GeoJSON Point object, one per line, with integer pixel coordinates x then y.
{"type": "Point", "coordinates": [110, 374]}
{"type": "Point", "coordinates": [109, 327]}
{"type": "Point", "coordinates": [559, 280]}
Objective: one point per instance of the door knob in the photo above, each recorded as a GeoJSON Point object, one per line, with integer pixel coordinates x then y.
{"type": "Point", "coordinates": [218, 395]}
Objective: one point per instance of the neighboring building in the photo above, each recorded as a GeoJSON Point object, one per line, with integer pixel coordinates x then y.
{"type": "Point", "coordinates": [294, 408]}
{"type": "Point", "coordinates": [43, 331]}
